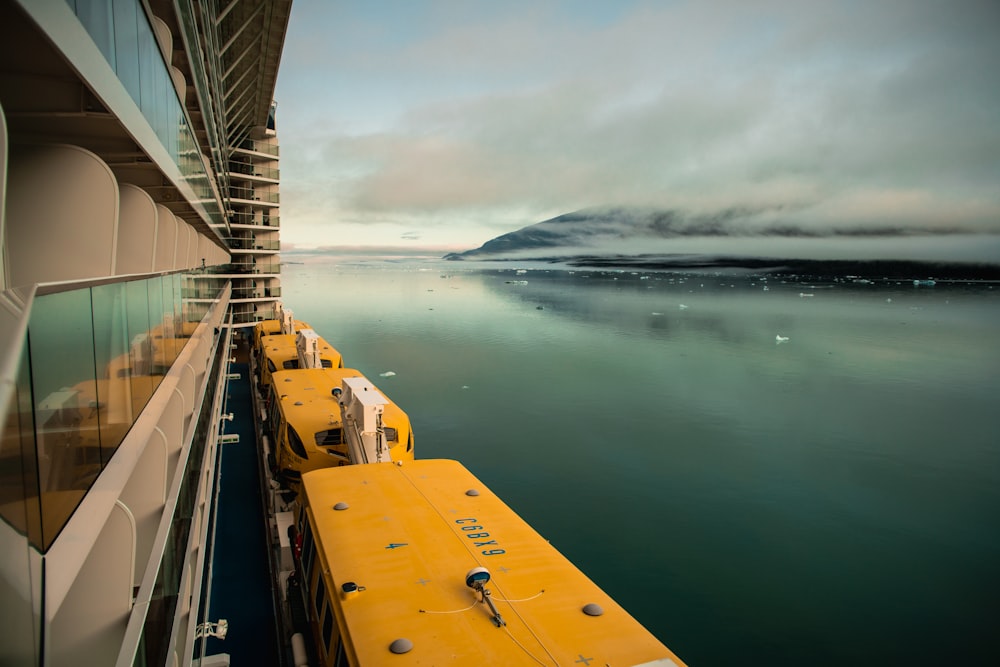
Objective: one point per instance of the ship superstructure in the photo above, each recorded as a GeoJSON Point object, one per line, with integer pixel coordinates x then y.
{"type": "Point", "coordinates": [138, 193]}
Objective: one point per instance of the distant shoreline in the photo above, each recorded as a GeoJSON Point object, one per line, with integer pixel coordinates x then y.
{"type": "Point", "coordinates": [894, 269]}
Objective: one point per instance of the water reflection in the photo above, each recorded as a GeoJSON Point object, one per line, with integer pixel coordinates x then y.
{"type": "Point", "coordinates": [844, 483]}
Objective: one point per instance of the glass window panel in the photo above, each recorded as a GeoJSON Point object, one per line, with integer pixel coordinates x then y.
{"type": "Point", "coordinates": [163, 98]}
{"type": "Point", "coordinates": [97, 17]}
{"type": "Point", "coordinates": [127, 46]}
{"type": "Point", "coordinates": [149, 60]}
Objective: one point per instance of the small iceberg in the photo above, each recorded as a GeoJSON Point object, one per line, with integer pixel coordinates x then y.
{"type": "Point", "coordinates": [779, 339]}
{"type": "Point", "coordinates": [387, 374]}
{"type": "Point", "coordinates": [683, 307]}
{"type": "Point", "coordinates": [925, 283]}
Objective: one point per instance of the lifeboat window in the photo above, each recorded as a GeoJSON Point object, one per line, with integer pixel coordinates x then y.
{"type": "Point", "coordinates": [295, 442]}
{"type": "Point", "coordinates": [307, 551]}
{"type": "Point", "coordinates": [290, 364]}
{"type": "Point", "coordinates": [327, 628]}
{"type": "Point", "coordinates": [391, 434]}
{"type": "Point", "coordinates": [329, 438]}
{"type": "Point", "coordinates": [320, 593]}
{"type": "Point", "coordinates": [340, 660]}
{"type": "Point", "coordinates": [270, 366]}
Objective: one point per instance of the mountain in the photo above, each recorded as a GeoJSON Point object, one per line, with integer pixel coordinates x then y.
{"type": "Point", "coordinates": [737, 237]}
{"type": "Point", "coordinates": [595, 226]}
{"type": "Point", "coordinates": [607, 227]}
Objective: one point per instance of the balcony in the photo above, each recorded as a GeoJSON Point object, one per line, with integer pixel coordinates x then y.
{"type": "Point", "coordinates": [250, 244]}
{"type": "Point", "coordinates": [247, 169]}
{"type": "Point", "coordinates": [269, 219]}
{"type": "Point", "coordinates": [249, 194]}
{"type": "Point", "coordinates": [256, 292]}
{"type": "Point", "coordinates": [246, 268]}
{"type": "Point", "coordinates": [259, 147]}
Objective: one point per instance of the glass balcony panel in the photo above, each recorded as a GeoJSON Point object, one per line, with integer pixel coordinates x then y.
{"type": "Point", "coordinates": [115, 410]}
{"type": "Point", "coordinates": [61, 340]}
{"type": "Point", "coordinates": [20, 498]}
{"type": "Point", "coordinates": [140, 355]}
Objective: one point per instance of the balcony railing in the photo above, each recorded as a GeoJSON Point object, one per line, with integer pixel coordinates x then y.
{"type": "Point", "coordinates": [256, 292]}
{"type": "Point", "coordinates": [253, 195]}
{"type": "Point", "coordinates": [259, 147]}
{"type": "Point", "coordinates": [74, 399]}
{"type": "Point", "coordinates": [246, 268]}
{"type": "Point", "coordinates": [251, 244]}
{"type": "Point", "coordinates": [267, 220]}
{"type": "Point", "coordinates": [253, 170]}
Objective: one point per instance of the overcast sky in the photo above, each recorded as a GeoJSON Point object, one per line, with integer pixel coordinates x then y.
{"type": "Point", "coordinates": [447, 123]}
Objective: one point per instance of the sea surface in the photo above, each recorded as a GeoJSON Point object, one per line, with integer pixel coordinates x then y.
{"type": "Point", "coordinates": [763, 469]}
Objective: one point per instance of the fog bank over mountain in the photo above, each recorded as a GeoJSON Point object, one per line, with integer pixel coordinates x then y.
{"type": "Point", "coordinates": [735, 232]}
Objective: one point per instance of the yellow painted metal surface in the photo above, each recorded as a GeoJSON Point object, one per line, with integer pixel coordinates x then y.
{"type": "Point", "coordinates": [266, 328]}
{"type": "Point", "coordinates": [308, 406]}
{"type": "Point", "coordinates": [409, 536]}
{"type": "Point", "coordinates": [278, 348]}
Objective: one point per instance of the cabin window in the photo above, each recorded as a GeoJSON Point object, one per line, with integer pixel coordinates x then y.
{"type": "Point", "coordinates": [320, 594]}
{"type": "Point", "coordinates": [329, 438]}
{"type": "Point", "coordinates": [391, 434]}
{"type": "Point", "coordinates": [326, 363]}
{"type": "Point", "coordinates": [290, 364]}
{"type": "Point", "coordinates": [295, 442]}
{"type": "Point", "coordinates": [328, 628]}
{"type": "Point", "coordinates": [271, 367]}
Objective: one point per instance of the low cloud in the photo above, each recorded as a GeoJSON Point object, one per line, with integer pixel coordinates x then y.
{"type": "Point", "coordinates": [831, 115]}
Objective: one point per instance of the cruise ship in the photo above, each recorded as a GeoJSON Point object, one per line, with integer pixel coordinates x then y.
{"type": "Point", "coordinates": [139, 219]}
{"type": "Point", "coordinates": [140, 229]}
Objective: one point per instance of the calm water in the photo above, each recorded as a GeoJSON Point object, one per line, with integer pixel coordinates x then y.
{"type": "Point", "coordinates": [834, 497]}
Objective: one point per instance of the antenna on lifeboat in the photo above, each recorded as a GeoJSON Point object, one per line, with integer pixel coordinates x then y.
{"type": "Point", "coordinates": [476, 579]}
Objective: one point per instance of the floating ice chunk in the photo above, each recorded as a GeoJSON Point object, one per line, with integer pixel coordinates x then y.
{"type": "Point", "coordinates": [683, 307]}
{"type": "Point", "coordinates": [387, 374]}
{"type": "Point", "coordinates": [520, 272]}
{"type": "Point", "coordinates": [656, 313]}
{"type": "Point", "coordinates": [516, 282]}
{"type": "Point", "coordinates": [780, 339]}
{"type": "Point", "coordinates": [465, 386]}
{"type": "Point", "coordinates": [803, 294]}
